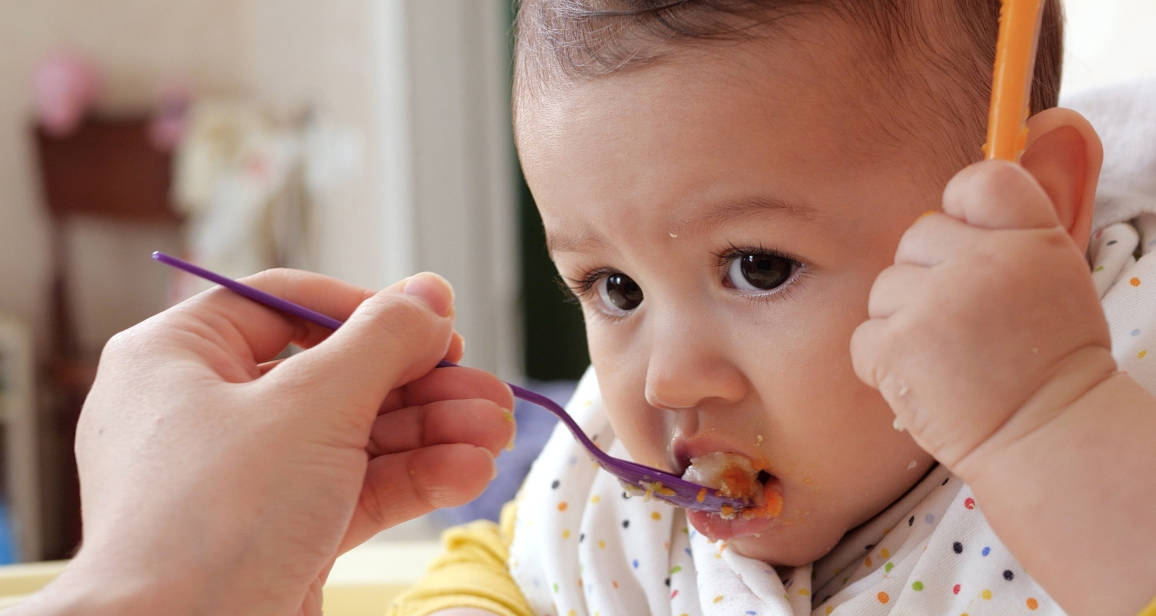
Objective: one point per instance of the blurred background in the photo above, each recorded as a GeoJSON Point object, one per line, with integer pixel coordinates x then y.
{"type": "Point", "coordinates": [364, 139]}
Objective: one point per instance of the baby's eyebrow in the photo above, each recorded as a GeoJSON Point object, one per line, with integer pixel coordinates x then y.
{"type": "Point", "coordinates": [750, 206]}
{"type": "Point", "coordinates": [710, 216]}
{"type": "Point", "coordinates": [568, 242]}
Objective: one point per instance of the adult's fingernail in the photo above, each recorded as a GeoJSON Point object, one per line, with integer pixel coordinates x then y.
{"type": "Point", "coordinates": [433, 290]}
{"type": "Point", "coordinates": [513, 429]}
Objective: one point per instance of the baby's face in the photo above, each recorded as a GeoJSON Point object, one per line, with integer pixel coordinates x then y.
{"type": "Point", "coordinates": [722, 218]}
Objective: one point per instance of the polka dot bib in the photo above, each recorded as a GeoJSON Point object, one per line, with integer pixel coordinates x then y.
{"type": "Point", "coordinates": [581, 548]}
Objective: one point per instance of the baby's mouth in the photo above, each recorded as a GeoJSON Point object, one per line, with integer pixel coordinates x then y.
{"type": "Point", "coordinates": [735, 476]}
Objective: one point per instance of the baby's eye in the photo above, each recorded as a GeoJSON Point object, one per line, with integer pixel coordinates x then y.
{"type": "Point", "coordinates": [759, 272]}
{"type": "Point", "coordinates": [619, 293]}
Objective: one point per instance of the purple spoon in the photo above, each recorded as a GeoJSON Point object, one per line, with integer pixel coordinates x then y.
{"type": "Point", "coordinates": [660, 484]}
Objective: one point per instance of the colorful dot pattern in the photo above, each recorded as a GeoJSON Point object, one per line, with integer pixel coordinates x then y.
{"type": "Point", "coordinates": [600, 553]}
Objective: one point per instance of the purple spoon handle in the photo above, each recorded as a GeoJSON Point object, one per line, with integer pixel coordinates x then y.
{"type": "Point", "coordinates": [245, 290]}
{"type": "Point", "coordinates": [670, 487]}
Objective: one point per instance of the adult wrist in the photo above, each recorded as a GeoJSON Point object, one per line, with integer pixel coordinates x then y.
{"type": "Point", "coordinates": [81, 589]}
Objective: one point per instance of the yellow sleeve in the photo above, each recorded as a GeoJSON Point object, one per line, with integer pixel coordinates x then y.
{"type": "Point", "coordinates": [1148, 611]}
{"type": "Point", "coordinates": [471, 572]}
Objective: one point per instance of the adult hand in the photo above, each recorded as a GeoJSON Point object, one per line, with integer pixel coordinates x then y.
{"type": "Point", "coordinates": [215, 480]}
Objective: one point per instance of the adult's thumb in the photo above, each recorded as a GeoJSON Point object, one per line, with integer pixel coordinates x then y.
{"type": "Point", "coordinates": [394, 337]}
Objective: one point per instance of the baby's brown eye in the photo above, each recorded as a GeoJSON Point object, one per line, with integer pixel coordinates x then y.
{"type": "Point", "coordinates": [760, 271]}
{"type": "Point", "coordinates": [620, 292]}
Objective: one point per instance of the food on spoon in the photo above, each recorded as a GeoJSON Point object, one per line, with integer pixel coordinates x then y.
{"type": "Point", "coordinates": [734, 476]}
{"type": "Point", "coordinates": [647, 489]}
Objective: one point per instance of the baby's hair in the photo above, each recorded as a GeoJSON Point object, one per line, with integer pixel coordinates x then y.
{"type": "Point", "coordinates": [945, 47]}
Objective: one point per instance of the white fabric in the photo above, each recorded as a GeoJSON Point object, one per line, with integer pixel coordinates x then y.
{"type": "Point", "coordinates": [1125, 117]}
{"type": "Point", "coordinates": [581, 548]}
{"type": "Point", "coordinates": [1129, 298]}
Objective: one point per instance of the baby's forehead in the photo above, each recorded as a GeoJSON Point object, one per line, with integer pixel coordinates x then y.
{"type": "Point", "coordinates": [817, 93]}
{"type": "Point", "coordinates": [929, 61]}
{"type": "Point", "coordinates": [885, 95]}
{"type": "Point", "coordinates": [692, 138]}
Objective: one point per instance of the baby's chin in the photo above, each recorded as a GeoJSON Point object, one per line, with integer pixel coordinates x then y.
{"type": "Point", "coordinates": [778, 552]}
{"type": "Point", "coordinates": [785, 543]}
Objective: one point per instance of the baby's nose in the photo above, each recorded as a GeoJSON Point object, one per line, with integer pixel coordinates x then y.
{"type": "Point", "coordinates": [688, 371]}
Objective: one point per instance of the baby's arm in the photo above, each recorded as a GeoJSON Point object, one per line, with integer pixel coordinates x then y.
{"type": "Point", "coordinates": [1074, 495]}
{"type": "Point", "coordinates": [471, 578]}
{"type": "Point", "coordinates": [988, 341]}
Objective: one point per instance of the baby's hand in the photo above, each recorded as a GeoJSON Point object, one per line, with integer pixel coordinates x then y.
{"type": "Point", "coordinates": [987, 324]}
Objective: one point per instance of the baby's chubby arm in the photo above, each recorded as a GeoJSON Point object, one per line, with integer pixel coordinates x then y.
{"type": "Point", "coordinates": [988, 341]}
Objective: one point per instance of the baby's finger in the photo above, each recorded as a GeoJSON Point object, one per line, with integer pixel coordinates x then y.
{"type": "Point", "coordinates": [403, 486]}
{"type": "Point", "coordinates": [873, 358]}
{"type": "Point", "coordinates": [895, 288]}
{"type": "Point", "coordinates": [998, 195]}
{"type": "Point", "coordinates": [933, 239]}
{"type": "Point", "coordinates": [477, 422]}
{"type": "Point", "coordinates": [458, 383]}
{"type": "Point", "coordinates": [866, 344]}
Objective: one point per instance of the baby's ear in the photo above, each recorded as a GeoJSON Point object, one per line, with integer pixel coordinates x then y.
{"type": "Point", "coordinates": [1064, 154]}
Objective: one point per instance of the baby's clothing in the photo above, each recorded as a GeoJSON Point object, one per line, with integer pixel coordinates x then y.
{"type": "Point", "coordinates": [578, 547]}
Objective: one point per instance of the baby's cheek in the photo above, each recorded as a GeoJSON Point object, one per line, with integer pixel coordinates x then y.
{"type": "Point", "coordinates": [641, 430]}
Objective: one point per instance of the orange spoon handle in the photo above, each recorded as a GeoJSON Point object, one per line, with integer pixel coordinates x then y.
{"type": "Point", "coordinates": [1015, 60]}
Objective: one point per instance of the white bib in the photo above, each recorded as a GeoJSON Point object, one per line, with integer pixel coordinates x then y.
{"type": "Point", "coordinates": [580, 548]}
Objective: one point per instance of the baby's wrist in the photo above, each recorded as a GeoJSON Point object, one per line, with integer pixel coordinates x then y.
{"type": "Point", "coordinates": [1077, 376]}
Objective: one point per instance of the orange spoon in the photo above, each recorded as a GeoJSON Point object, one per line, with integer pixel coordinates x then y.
{"type": "Point", "coordinates": [1015, 60]}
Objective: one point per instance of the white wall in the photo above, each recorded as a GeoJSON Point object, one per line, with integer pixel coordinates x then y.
{"type": "Point", "coordinates": [301, 53]}
{"type": "Point", "coordinates": [135, 43]}
{"type": "Point", "coordinates": [429, 107]}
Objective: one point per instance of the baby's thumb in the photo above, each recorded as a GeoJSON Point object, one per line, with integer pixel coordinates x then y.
{"type": "Point", "coordinates": [392, 338]}
{"type": "Point", "coordinates": [999, 195]}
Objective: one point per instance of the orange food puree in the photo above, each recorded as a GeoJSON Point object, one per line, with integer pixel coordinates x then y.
{"type": "Point", "coordinates": [736, 477]}
{"type": "Point", "coordinates": [738, 483]}
{"type": "Point", "coordinates": [771, 508]}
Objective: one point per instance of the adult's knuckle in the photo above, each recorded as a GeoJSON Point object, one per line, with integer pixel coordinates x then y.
{"type": "Point", "coordinates": [273, 278]}
{"type": "Point", "coordinates": [396, 312]}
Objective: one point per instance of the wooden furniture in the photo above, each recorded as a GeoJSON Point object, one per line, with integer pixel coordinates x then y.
{"type": "Point", "coordinates": [107, 170]}
{"type": "Point", "coordinates": [19, 439]}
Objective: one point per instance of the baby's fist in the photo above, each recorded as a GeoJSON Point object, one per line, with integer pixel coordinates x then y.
{"type": "Point", "coordinates": [987, 308]}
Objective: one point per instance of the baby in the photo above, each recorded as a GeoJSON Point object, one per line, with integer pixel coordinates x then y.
{"type": "Point", "coordinates": [747, 197]}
